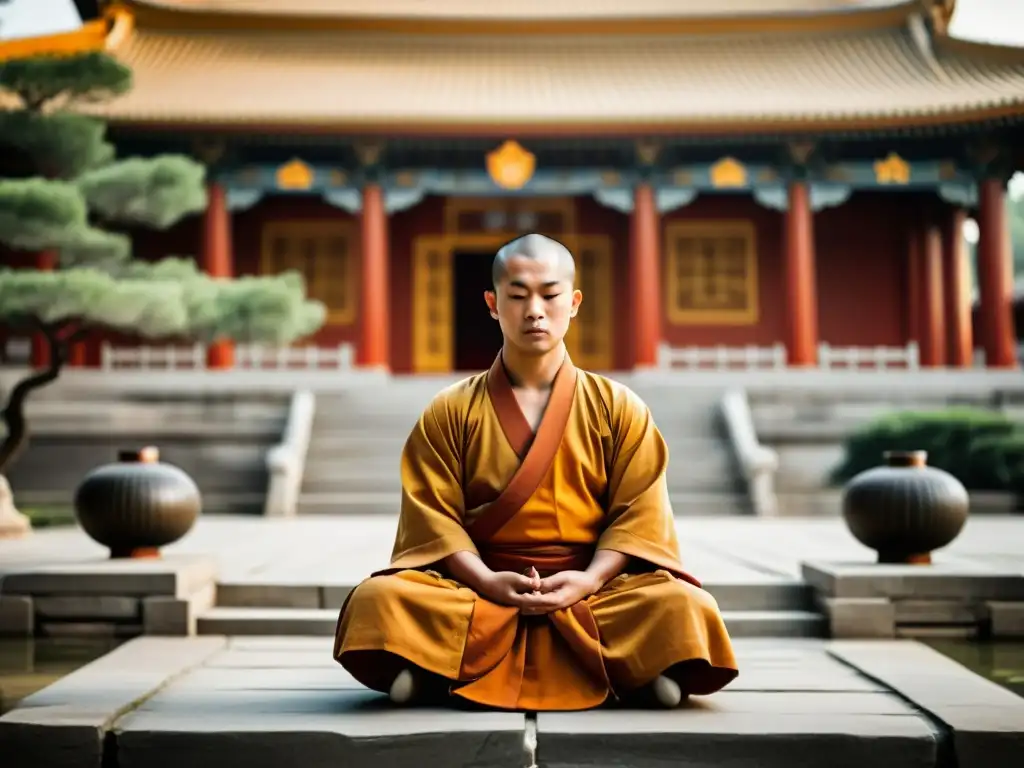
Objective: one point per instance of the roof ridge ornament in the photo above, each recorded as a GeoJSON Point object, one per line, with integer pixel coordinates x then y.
{"type": "Point", "coordinates": [921, 35]}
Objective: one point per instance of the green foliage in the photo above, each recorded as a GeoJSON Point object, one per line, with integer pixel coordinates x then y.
{"type": "Point", "coordinates": [164, 300]}
{"type": "Point", "coordinates": [155, 192]}
{"type": "Point", "coordinates": [983, 449]}
{"type": "Point", "coordinates": [80, 189]}
{"type": "Point", "coordinates": [91, 247]}
{"type": "Point", "coordinates": [998, 461]}
{"type": "Point", "coordinates": [40, 80]}
{"type": "Point", "coordinates": [38, 214]}
{"type": "Point", "coordinates": [59, 145]}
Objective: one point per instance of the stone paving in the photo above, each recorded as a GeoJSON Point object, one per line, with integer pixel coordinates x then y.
{"type": "Point", "coordinates": [342, 550]}
{"type": "Point", "coordinates": [272, 700]}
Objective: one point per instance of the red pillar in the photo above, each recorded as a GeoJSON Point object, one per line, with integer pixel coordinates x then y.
{"type": "Point", "coordinates": [957, 283]}
{"type": "Point", "coordinates": [76, 355]}
{"type": "Point", "coordinates": [914, 262]}
{"type": "Point", "coordinates": [46, 261]}
{"type": "Point", "coordinates": [933, 327]}
{"type": "Point", "coordinates": [373, 307]}
{"type": "Point", "coordinates": [801, 287]}
{"type": "Point", "coordinates": [217, 261]}
{"type": "Point", "coordinates": [645, 263]}
{"type": "Point", "coordinates": [995, 278]}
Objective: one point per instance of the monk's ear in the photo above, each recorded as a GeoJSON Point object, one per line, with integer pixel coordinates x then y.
{"type": "Point", "coordinates": [492, 303]}
{"type": "Point", "coordinates": [577, 298]}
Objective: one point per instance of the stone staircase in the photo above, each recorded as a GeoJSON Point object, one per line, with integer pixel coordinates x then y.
{"type": "Point", "coordinates": [703, 477]}
{"type": "Point", "coordinates": [781, 609]}
{"type": "Point", "coordinates": [356, 443]}
{"type": "Point", "coordinates": [357, 439]}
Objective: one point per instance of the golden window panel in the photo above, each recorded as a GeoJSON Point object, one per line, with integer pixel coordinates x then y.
{"type": "Point", "coordinates": [589, 340]}
{"type": "Point", "coordinates": [711, 273]}
{"type": "Point", "coordinates": [325, 253]}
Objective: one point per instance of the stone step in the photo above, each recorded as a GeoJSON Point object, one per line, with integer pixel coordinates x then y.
{"type": "Point", "coordinates": [323, 622]}
{"type": "Point", "coordinates": [731, 595]}
{"type": "Point", "coordinates": [684, 503]}
{"type": "Point", "coordinates": [369, 503]}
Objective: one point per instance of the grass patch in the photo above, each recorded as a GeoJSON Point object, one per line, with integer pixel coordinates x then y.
{"type": "Point", "coordinates": [49, 516]}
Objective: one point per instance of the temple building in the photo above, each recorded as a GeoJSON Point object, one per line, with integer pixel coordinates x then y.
{"type": "Point", "coordinates": [759, 175]}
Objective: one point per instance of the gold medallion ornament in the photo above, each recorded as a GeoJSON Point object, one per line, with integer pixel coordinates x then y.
{"type": "Point", "coordinates": [511, 166]}
{"type": "Point", "coordinates": [728, 172]}
{"type": "Point", "coordinates": [893, 170]}
{"type": "Point", "coordinates": [295, 175]}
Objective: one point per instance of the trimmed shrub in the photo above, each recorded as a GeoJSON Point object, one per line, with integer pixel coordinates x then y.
{"type": "Point", "coordinates": [983, 449]}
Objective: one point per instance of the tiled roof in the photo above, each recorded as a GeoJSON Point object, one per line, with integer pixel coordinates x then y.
{"type": "Point", "coordinates": [352, 80]}
{"type": "Point", "coordinates": [521, 9]}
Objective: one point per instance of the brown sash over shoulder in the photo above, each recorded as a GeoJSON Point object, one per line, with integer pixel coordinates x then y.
{"type": "Point", "coordinates": [536, 452]}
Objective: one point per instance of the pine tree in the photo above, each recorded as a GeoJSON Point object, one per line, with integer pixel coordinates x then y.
{"type": "Point", "coordinates": [63, 191]}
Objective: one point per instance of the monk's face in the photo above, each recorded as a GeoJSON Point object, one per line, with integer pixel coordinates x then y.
{"type": "Point", "coordinates": [534, 303]}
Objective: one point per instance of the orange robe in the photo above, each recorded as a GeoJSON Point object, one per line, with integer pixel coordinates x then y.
{"type": "Point", "coordinates": [475, 477]}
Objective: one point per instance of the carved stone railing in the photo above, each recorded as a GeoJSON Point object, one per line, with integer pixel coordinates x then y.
{"type": "Point", "coordinates": [758, 463]}
{"type": "Point", "coordinates": [247, 356]}
{"type": "Point", "coordinates": [286, 461]}
{"type": "Point", "coordinates": [721, 357]}
{"type": "Point", "coordinates": [875, 358]}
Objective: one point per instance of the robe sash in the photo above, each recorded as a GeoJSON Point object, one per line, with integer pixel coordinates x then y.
{"type": "Point", "coordinates": [539, 450]}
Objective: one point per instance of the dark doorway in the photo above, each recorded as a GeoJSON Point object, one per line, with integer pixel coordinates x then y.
{"type": "Point", "coordinates": [477, 334]}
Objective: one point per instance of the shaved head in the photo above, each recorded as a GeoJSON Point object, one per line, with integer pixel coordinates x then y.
{"type": "Point", "coordinates": [536, 247]}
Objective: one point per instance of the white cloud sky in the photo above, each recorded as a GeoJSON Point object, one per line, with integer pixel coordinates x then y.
{"type": "Point", "coordinates": [989, 21]}
{"type": "Point", "coordinates": [28, 18]}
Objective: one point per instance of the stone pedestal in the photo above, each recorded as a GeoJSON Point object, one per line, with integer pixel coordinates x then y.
{"type": "Point", "coordinates": [867, 600]}
{"type": "Point", "coordinates": [109, 598]}
{"type": "Point", "coordinates": [12, 522]}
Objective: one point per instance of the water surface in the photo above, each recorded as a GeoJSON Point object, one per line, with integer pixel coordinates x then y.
{"type": "Point", "coordinates": [1001, 662]}
{"type": "Point", "coordinates": [29, 665]}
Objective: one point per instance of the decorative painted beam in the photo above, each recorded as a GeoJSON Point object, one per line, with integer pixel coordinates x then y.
{"type": "Point", "coordinates": [675, 187]}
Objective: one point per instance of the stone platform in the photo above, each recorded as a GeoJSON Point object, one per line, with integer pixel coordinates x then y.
{"type": "Point", "coordinates": [255, 576]}
{"type": "Point", "coordinates": [273, 701]}
{"type": "Point", "coordinates": [252, 681]}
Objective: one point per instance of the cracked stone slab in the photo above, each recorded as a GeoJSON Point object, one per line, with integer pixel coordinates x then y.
{"type": "Point", "coordinates": [238, 708]}
{"type": "Point", "coordinates": [738, 732]}
{"type": "Point", "coordinates": [65, 723]}
{"type": "Point", "coordinates": [986, 719]}
{"type": "Point", "coordinates": [792, 706]}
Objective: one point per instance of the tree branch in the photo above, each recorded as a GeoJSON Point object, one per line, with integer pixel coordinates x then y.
{"type": "Point", "coordinates": [14, 411]}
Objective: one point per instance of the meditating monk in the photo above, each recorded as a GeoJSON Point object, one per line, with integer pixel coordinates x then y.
{"type": "Point", "coordinates": [536, 565]}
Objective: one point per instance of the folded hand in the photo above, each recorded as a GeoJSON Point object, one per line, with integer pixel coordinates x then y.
{"type": "Point", "coordinates": [558, 591]}
{"type": "Point", "coordinates": [509, 588]}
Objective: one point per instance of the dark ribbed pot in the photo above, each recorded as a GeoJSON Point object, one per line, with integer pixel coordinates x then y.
{"type": "Point", "coordinates": [137, 505]}
{"type": "Point", "coordinates": [905, 510]}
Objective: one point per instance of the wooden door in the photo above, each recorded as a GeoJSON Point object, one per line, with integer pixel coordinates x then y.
{"type": "Point", "coordinates": [590, 341]}
{"type": "Point", "coordinates": [432, 305]}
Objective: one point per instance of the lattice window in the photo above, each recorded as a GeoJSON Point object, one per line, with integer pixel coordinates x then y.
{"type": "Point", "coordinates": [711, 273]}
{"type": "Point", "coordinates": [327, 256]}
